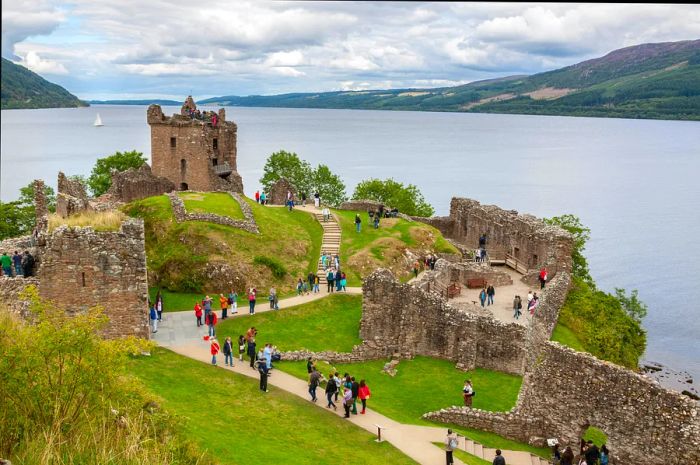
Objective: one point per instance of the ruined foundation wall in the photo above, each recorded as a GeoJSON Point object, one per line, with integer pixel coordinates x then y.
{"type": "Point", "coordinates": [410, 321]}
{"type": "Point", "coordinates": [138, 183]}
{"type": "Point", "coordinates": [81, 268]}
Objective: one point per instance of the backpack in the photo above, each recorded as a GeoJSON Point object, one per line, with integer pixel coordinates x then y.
{"type": "Point", "coordinates": [454, 444]}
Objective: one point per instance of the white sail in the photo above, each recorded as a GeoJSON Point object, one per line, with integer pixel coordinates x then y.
{"type": "Point", "coordinates": [98, 121]}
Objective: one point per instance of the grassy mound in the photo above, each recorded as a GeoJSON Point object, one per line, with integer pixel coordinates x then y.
{"type": "Point", "coordinates": [219, 203]}
{"type": "Point", "coordinates": [361, 253]}
{"type": "Point", "coordinates": [235, 423]}
{"type": "Point", "coordinates": [197, 256]}
{"type": "Point", "coordinates": [331, 323]}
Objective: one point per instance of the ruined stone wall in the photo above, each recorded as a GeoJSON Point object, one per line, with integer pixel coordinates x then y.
{"type": "Point", "coordinates": [10, 290]}
{"type": "Point", "coordinates": [188, 152]}
{"type": "Point", "coordinates": [410, 321]}
{"type": "Point", "coordinates": [138, 183]}
{"type": "Point", "coordinates": [71, 197]}
{"type": "Point", "coordinates": [278, 192]}
{"type": "Point", "coordinates": [81, 268]}
{"type": "Point", "coordinates": [361, 205]}
{"type": "Point", "coordinates": [567, 391]}
{"type": "Point", "coordinates": [444, 224]}
{"type": "Point", "coordinates": [463, 272]}
{"type": "Point", "coordinates": [247, 224]}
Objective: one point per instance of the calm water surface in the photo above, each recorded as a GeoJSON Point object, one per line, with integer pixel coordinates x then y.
{"type": "Point", "coordinates": [633, 182]}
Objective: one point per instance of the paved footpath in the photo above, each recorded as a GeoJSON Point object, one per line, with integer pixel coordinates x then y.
{"type": "Point", "coordinates": [178, 332]}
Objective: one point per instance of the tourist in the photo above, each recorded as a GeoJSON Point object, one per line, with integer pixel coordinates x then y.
{"type": "Point", "coordinates": [262, 369]}
{"type": "Point", "coordinates": [267, 355]}
{"type": "Point", "coordinates": [159, 305]}
{"type": "Point", "coordinates": [17, 261]}
{"type": "Point", "coordinates": [499, 459]}
{"type": "Point", "coordinates": [317, 283]}
{"type": "Point", "coordinates": [543, 277]}
{"type": "Point", "coordinates": [517, 307]}
{"type": "Point", "coordinates": [228, 351]}
{"type": "Point", "coordinates": [214, 350]}
{"type": "Point", "coordinates": [343, 281]}
{"type": "Point", "coordinates": [251, 333]}
{"type": "Point", "coordinates": [358, 222]}
{"type": "Point", "coordinates": [363, 394]}
{"type": "Point", "coordinates": [490, 292]}
{"type": "Point", "coordinates": [530, 295]}
{"type": "Point", "coordinates": [482, 241]}
{"type": "Point", "coordinates": [257, 196]}
{"type": "Point", "coordinates": [323, 261]}
{"type": "Point", "coordinates": [310, 278]}
{"type": "Point", "coordinates": [305, 288]}
{"type": "Point", "coordinates": [482, 296]}
{"type": "Point", "coordinates": [416, 265]}
{"type": "Point", "coordinates": [331, 390]}
{"type": "Point", "coordinates": [6, 263]}
{"type": "Point", "coordinates": [336, 261]}
{"type": "Point", "coordinates": [211, 321]}
{"type": "Point", "coordinates": [330, 278]}
{"type": "Point", "coordinates": [338, 277]}
{"type": "Point", "coordinates": [468, 393]}
{"type": "Point", "coordinates": [273, 296]}
{"type": "Point", "coordinates": [347, 400]}
{"type": "Point", "coordinates": [27, 264]}
{"type": "Point", "coordinates": [310, 365]}
{"type": "Point", "coordinates": [567, 458]}
{"type": "Point", "coordinates": [263, 198]}
{"type": "Point", "coordinates": [154, 319]}
{"type": "Point", "coordinates": [233, 301]}
{"type": "Point", "coordinates": [223, 301]}
{"type": "Point", "coordinates": [451, 443]}
{"type": "Point", "coordinates": [592, 453]}
{"type": "Point", "coordinates": [317, 200]}
{"type": "Point", "coordinates": [604, 455]}
{"type": "Point", "coordinates": [252, 293]}
{"type": "Point", "coordinates": [241, 347]}
{"type": "Point", "coordinates": [355, 389]}
{"type": "Point", "coordinates": [533, 304]}
{"type": "Point", "coordinates": [314, 381]}
{"type": "Point", "coordinates": [206, 303]}
{"type": "Point", "coordinates": [326, 214]}
{"type": "Point", "coordinates": [556, 454]}
{"type": "Point", "coordinates": [303, 198]}
{"type": "Point", "coordinates": [376, 221]}
{"type": "Point", "coordinates": [251, 351]}
{"type": "Point", "coordinates": [299, 286]}
{"type": "Point", "coordinates": [214, 119]}
{"type": "Point", "coordinates": [198, 313]}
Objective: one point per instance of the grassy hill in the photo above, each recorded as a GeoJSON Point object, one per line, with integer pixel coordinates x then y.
{"type": "Point", "coordinates": [22, 88]}
{"type": "Point", "coordinates": [644, 81]}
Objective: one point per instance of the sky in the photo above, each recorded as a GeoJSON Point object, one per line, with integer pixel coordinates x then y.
{"type": "Point", "coordinates": [110, 49]}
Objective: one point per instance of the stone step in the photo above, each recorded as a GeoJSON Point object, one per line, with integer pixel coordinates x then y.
{"type": "Point", "coordinates": [478, 450]}
{"type": "Point", "coordinates": [535, 460]}
{"type": "Point", "coordinates": [469, 446]}
{"type": "Point", "coordinates": [488, 454]}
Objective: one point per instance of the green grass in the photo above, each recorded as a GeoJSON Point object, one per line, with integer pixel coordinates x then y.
{"type": "Point", "coordinates": [597, 436]}
{"type": "Point", "coordinates": [218, 203]}
{"type": "Point", "coordinates": [228, 416]}
{"type": "Point", "coordinates": [330, 323]}
{"type": "Point", "coordinates": [422, 385]}
{"type": "Point", "coordinates": [361, 253]}
{"type": "Point", "coordinates": [567, 337]}
{"type": "Point", "coordinates": [179, 253]}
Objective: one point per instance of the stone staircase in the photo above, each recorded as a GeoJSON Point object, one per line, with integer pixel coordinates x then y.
{"type": "Point", "coordinates": [330, 244]}
{"type": "Point", "coordinates": [512, 457]}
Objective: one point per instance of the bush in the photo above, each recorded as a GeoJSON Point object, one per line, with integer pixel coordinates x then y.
{"type": "Point", "coordinates": [278, 270]}
{"type": "Point", "coordinates": [101, 176]}
{"type": "Point", "coordinates": [67, 399]}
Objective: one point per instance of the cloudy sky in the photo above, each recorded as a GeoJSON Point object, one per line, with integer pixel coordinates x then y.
{"type": "Point", "coordinates": [156, 48]}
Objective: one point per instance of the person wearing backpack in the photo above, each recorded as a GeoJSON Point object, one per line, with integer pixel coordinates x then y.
{"type": "Point", "coordinates": [451, 443]}
{"type": "Point", "coordinates": [211, 321]}
{"type": "Point", "coordinates": [331, 390]}
{"type": "Point", "coordinates": [251, 300]}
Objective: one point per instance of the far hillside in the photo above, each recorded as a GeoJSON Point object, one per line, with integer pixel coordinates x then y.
{"type": "Point", "coordinates": [22, 88]}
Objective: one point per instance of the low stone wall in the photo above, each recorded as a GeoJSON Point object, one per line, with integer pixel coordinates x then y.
{"type": "Point", "coordinates": [409, 321]}
{"type": "Point", "coordinates": [138, 183]}
{"type": "Point", "coordinates": [359, 353]}
{"type": "Point", "coordinates": [568, 391]}
{"type": "Point", "coordinates": [462, 272]}
{"type": "Point", "coordinates": [248, 224]}
{"type": "Point", "coordinates": [361, 205]}
{"type": "Point", "coordinates": [444, 224]}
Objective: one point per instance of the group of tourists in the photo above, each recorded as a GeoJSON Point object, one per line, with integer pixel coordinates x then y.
{"type": "Point", "coordinates": [207, 116]}
{"type": "Point", "coordinates": [589, 454]}
{"type": "Point", "coordinates": [532, 302]}
{"type": "Point", "coordinates": [486, 295]}
{"type": "Point", "coordinates": [17, 265]}
{"type": "Point", "coordinates": [347, 386]}
{"type": "Point", "coordinates": [261, 197]}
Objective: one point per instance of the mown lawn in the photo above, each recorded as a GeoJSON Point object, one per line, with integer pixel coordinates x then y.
{"type": "Point", "coordinates": [371, 248]}
{"type": "Point", "coordinates": [331, 323]}
{"type": "Point", "coordinates": [567, 337]}
{"type": "Point", "coordinates": [228, 416]}
{"type": "Point", "coordinates": [422, 385]}
{"type": "Point", "coordinates": [218, 203]}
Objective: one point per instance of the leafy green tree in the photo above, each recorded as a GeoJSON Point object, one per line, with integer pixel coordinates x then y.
{"type": "Point", "coordinates": [328, 185]}
{"type": "Point", "coordinates": [408, 199]}
{"type": "Point", "coordinates": [634, 307]}
{"type": "Point", "coordinates": [18, 217]}
{"type": "Point", "coordinates": [287, 165]}
{"type": "Point", "coordinates": [572, 224]}
{"type": "Point", "coordinates": [101, 176]}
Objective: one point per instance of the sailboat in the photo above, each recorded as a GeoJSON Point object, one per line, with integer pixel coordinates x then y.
{"type": "Point", "coordinates": [98, 121]}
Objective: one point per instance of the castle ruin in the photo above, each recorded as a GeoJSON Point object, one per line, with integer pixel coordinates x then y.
{"type": "Point", "coordinates": [194, 150]}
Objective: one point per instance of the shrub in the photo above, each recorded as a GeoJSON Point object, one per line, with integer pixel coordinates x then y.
{"type": "Point", "coordinates": [278, 270]}
{"type": "Point", "coordinates": [101, 176]}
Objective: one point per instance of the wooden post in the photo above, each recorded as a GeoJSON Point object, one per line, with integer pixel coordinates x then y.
{"type": "Point", "coordinates": [379, 432]}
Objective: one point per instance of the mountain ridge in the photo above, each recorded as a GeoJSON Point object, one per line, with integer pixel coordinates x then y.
{"type": "Point", "coordinates": [22, 88]}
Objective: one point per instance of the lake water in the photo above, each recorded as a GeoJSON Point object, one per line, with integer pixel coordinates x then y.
{"type": "Point", "coordinates": [635, 183]}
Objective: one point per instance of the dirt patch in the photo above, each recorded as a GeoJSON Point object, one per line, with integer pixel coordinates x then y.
{"type": "Point", "coordinates": [422, 236]}
{"type": "Point", "coordinates": [495, 98]}
{"type": "Point", "coordinates": [413, 94]}
{"type": "Point", "coordinates": [191, 196]}
{"type": "Point", "coordinates": [676, 66]}
{"type": "Point", "coordinates": [548, 93]}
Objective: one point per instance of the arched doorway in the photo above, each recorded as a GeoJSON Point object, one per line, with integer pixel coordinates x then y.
{"type": "Point", "coordinates": [183, 186]}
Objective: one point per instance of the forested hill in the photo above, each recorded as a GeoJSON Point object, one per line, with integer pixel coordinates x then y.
{"type": "Point", "coordinates": [22, 88]}
{"type": "Point", "coordinates": [659, 81]}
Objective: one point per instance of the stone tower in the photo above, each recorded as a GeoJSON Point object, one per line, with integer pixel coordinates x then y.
{"type": "Point", "coordinates": [195, 150]}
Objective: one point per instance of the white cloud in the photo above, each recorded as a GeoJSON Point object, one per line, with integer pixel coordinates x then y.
{"type": "Point", "coordinates": [33, 61]}
{"type": "Point", "coordinates": [22, 19]}
{"type": "Point", "coordinates": [291, 58]}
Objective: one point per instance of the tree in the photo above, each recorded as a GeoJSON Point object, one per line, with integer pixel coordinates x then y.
{"type": "Point", "coordinates": [634, 307]}
{"type": "Point", "coordinates": [101, 176]}
{"type": "Point", "coordinates": [328, 185]}
{"type": "Point", "coordinates": [19, 217]}
{"type": "Point", "coordinates": [408, 199]}
{"type": "Point", "coordinates": [572, 224]}
{"type": "Point", "coordinates": [287, 165]}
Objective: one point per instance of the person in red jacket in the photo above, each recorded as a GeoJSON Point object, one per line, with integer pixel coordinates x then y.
{"type": "Point", "coordinates": [214, 350]}
{"type": "Point", "coordinates": [198, 313]}
{"type": "Point", "coordinates": [211, 321]}
{"type": "Point", "coordinates": [363, 394]}
{"type": "Point", "coordinates": [543, 277]}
